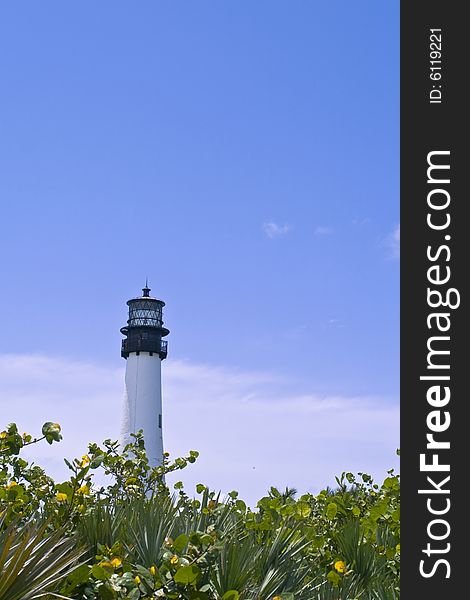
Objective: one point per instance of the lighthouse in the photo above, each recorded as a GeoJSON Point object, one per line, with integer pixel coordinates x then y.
{"type": "Point", "coordinates": [144, 349]}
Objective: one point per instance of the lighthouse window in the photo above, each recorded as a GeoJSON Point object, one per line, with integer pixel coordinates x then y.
{"type": "Point", "coordinates": [145, 335]}
{"type": "Point", "coordinates": [160, 421]}
{"type": "Point", "coordinates": [145, 313]}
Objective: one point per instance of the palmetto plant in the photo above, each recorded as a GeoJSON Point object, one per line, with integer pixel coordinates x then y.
{"type": "Point", "coordinates": [33, 562]}
{"type": "Point", "coordinates": [143, 524]}
{"type": "Point", "coordinates": [262, 569]}
{"type": "Point", "coordinates": [140, 526]}
{"type": "Point", "coordinates": [105, 523]}
{"type": "Point", "coordinates": [149, 523]}
{"type": "Point", "coordinates": [368, 578]}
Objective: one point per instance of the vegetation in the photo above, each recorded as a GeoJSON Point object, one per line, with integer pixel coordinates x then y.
{"type": "Point", "coordinates": [137, 539]}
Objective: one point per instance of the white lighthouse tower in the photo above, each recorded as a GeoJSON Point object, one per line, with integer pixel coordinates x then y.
{"type": "Point", "coordinates": [144, 350]}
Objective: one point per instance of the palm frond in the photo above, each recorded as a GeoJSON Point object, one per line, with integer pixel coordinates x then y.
{"type": "Point", "coordinates": [33, 562]}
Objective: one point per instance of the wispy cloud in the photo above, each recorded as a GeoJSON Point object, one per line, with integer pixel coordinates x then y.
{"type": "Point", "coordinates": [251, 432]}
{"type": "Point", "coordinates": [273, 230]}
{"type": "Point", "coordinates": [335, 323]}
{"type": "Point", "coordinates": [361, 221]}
{"type": "Point", "coordinates": [321, 230]}
{"type": "Point", "coordinates": [392, 242]}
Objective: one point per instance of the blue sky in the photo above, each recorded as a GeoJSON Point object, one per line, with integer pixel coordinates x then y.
{"type": "Point", "coordinates": [244, 157]}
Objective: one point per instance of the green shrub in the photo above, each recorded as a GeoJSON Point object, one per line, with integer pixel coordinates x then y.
{"type": "Point", "coordinates": [137, 539]}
